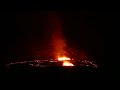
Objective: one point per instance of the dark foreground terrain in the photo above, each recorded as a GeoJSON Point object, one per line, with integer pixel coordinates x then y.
{"type": "Point", "coordinates": [53, 73]}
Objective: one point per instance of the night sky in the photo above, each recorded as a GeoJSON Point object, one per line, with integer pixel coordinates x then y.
{"type": "Point", "coordinates": [23, 31]}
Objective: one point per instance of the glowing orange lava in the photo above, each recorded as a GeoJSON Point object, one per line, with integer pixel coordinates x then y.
{"type": "Point", "coordinates": [65, 61]}
{"type": "Point", "coordinates": [63, 58]}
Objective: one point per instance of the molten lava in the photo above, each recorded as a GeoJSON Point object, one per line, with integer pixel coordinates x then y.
{"type": "Point", "coordinates": [63, 58]}
{"type": "Point", "coordinates": [65, 61]}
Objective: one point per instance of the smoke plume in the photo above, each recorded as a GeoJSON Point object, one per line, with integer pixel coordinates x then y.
{"type": "Point", "coordinates": [57, 39]}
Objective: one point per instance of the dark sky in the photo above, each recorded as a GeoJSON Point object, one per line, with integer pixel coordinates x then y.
{"type": "Point", "coordinates": [22, 31]}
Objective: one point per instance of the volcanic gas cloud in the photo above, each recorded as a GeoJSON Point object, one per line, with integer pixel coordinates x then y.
{"type": "Point", "coordinates": [57, 40]}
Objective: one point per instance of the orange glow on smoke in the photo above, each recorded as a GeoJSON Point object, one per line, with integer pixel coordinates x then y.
{"type": "Point", "coordinates": [67, 63]}
{"type": "Point", "coordinates": [58, 42]}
